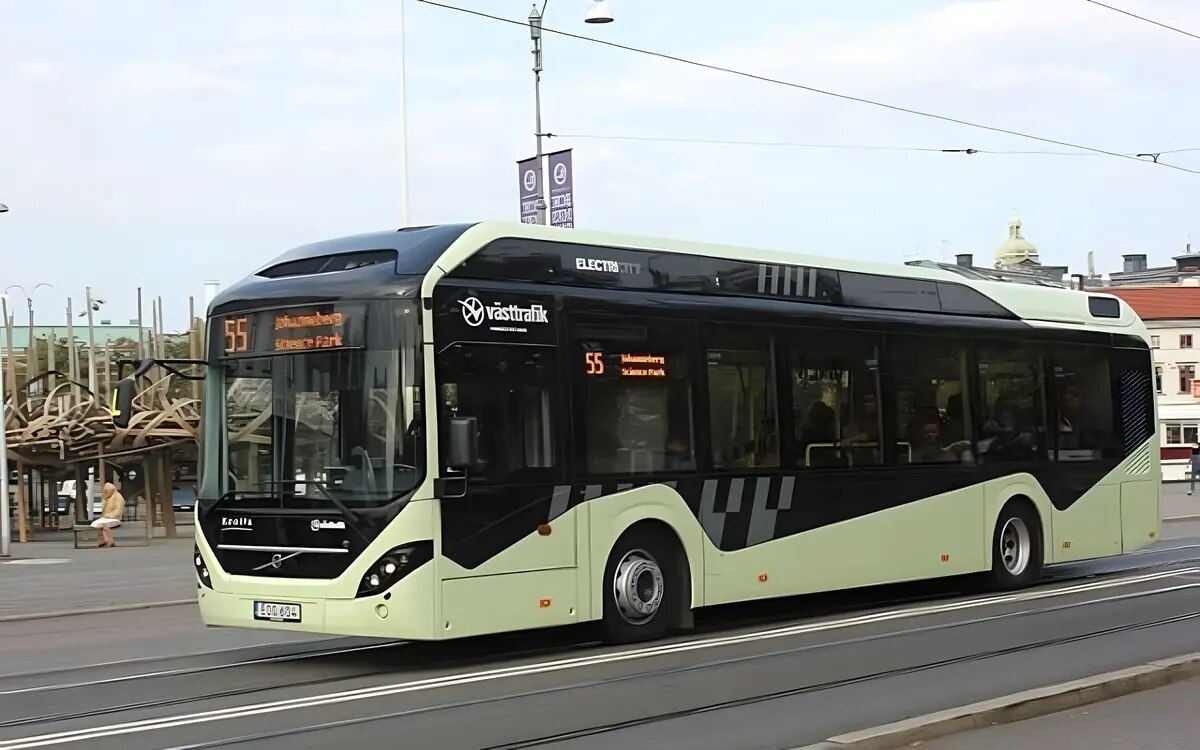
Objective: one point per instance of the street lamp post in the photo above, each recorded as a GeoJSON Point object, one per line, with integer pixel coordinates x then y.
{"type": "Point", "coordinates": [5, 521]}
{"type": "Point", "coordinates": [598, 12]}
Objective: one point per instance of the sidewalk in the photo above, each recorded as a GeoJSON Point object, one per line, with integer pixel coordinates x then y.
{"type": "Point", "coordinates": [1163, 719]}
{"type": "Point", "coordinates": [54, 577]}
{"type": "Point", "coordinates": [1177, 505]}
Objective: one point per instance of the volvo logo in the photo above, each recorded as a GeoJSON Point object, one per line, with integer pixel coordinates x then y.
{"type": "Point", "coordinates": [276, 560]}
{"type": "Point", "coordinates": [318, 525]}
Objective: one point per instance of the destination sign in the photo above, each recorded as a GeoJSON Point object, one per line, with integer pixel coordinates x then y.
{"type": "Point", "coordinates": [625, 364]}
{"type": "Point", "coordinates": [291, 331]}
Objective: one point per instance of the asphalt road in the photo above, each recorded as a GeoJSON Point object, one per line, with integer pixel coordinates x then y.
{"type": "Point", "coordinates": [753, 677]}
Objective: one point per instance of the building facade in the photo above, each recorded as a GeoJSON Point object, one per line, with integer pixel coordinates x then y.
{"type": "Point", "coordinates": [1172, 315]}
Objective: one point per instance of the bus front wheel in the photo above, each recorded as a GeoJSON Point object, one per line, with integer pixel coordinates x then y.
{"type": "Point", "coordinates": [645, 587]}
{"type": "Point", "coordinates": [1017, 557]}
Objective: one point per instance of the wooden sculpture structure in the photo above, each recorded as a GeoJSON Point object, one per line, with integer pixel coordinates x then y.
{"type": "Point", "coordinates": [57, 427]}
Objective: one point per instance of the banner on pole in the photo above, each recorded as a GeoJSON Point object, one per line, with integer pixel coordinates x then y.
{"type": "Point", "coordinates": [562, 189]}
{"type": "Point", "coordinates": [527, 187]}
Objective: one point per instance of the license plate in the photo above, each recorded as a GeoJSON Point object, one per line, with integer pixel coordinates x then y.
{"type": "Point", "coordinates": [277, 612]}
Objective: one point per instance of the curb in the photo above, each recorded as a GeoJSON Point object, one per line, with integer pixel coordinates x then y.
{"type": "Point", "coordinates": [1017, 707]}
{"type": "Point", "coordinates": [97, 610]}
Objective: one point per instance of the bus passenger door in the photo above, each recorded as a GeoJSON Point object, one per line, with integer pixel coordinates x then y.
{"type": "Point", "coordinates": [513, 517]}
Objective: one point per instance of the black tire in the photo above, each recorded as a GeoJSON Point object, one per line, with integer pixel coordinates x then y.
{"type": "Point", "coordinates": [1017, 549]}
{"type": "Point", "coordinates": [655, 568]}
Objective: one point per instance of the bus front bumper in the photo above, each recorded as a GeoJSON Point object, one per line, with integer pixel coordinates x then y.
{"type": "Point", "coordinates": [406, 613]}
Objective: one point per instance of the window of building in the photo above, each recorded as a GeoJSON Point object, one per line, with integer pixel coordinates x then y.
{"type": "Point", "coordinates": [635, 391]}
{"type": "Point", "coordinates": [835, 399]}
{"type": "Point", "coordinates": [1187, 373]}
{"type": "Point", "coordinates": [1081, 402]}
{"type": "Point", "coordinates": [743, 413]}
{"type": "Point", "coordinates": [1158, 372]}
{"type": "Point", "coordinates": [1182, 433]}
{"type": "Point", "coordinates": [932, 418]}
{"type": "Point", "coordinates": [1185, 341]}
{"type": "Point", "coordinates": [1154, 342]}
{"type": "Point", "coordinates": [510, 391]}
{"type": "Point", "coordinates": [1012, 423]}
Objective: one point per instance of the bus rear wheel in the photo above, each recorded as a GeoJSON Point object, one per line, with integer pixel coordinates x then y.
{"type": "Point", "coordinates": [644, 587]}
{"type": "Point", "coordinates": [1017, 557]}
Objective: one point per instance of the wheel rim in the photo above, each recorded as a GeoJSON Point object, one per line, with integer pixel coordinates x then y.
{"type": "Point", "coordinates": [638, 587]}
{"type": "Point", "coordinates": [1015, 546]}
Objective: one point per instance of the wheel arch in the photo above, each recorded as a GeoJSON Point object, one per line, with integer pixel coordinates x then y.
{"type": "Point", "coordinates": [665, 514]}
{"type": "Point", "coordinates": [1030, 493]}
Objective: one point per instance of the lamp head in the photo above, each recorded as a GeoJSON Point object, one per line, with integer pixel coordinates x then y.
{"type": "Point", "coordinates": [599, 12]}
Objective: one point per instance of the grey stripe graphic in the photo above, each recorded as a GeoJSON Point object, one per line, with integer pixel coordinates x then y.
{"type": "Point", "coordinates": [712, 521]}
{"type": "Point", "coordinates": [593, 491]}
{"type": "Point", "coordinates": [733, 503]}
{"type": "Point", "coordinates": [762, 519]}
{"type": "Point", "coordinates": [623, 487]}
{"type": "Point", "coordinates": [786, 487]}
{"type": "Point", "coordinates": [559, 501]}
{"type": "Point", "coordinates": [787, 280]}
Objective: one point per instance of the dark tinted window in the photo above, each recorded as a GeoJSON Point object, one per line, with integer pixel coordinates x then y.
{"type": "Point", "coordinates": [743, 414]}
{"type": "Point", "coordinates": [634, 391]}
{"type": "Point", "coordinates": [510, 391]}
{"type": "Point", "coordinates": [1081, 404]}
{"type": "Point", "coordinates": [1104, 307]}
{"type": "Point", "coordinates": [865, 290]}
{"type": "Point", "coordinates": [1012, 419]}
{"type": "Point", "coordinates": [929, 379]}
{"type": "Point", "coordinates": [835, 399]}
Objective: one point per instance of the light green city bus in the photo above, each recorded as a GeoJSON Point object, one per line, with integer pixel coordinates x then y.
{"type": "Point", "coordinates": [449, 431]}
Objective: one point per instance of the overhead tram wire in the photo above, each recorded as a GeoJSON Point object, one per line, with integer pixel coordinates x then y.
{"type": "Point", "coordinates": [794, 144]}
{"type": "Point", "coordinates": [803, 87]}
{"type": "Point", "coordinates": [1143, 18]}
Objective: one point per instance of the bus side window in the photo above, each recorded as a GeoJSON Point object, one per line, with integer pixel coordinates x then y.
{"type": "Point", "coordinates": [929, 377]}
{"type": "Point", "coordinates": [835, 399]}
{"type": "Point", "coordinates": [1081, 401]}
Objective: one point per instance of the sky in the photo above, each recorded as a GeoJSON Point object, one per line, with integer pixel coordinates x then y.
{"type": "Point", "coordinates": [160, 144]}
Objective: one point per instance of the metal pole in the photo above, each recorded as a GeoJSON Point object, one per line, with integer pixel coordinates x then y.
{"type": "Point", "coordinates": [407, 218]}
{"type": "Point", "coordinates": [91, 345]}
{"type": "Point", "coordinates": [535, 33]}
{"type": "Point", "coordinates": [5, 521]}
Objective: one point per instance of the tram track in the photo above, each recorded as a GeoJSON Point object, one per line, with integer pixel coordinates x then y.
{"type": "Point", "coordinates": [653, 673]}
{"type": "Point", "coordinates": [600, 729]}
{"type": "Point", "coordinates": [486, 649]}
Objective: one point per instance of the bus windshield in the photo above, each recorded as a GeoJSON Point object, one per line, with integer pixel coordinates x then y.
{"type": "Point", "coordinates": [310, 428]}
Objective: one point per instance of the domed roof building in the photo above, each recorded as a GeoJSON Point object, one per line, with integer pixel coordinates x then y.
{"type": "Point", "coordinates": [1016, 252]}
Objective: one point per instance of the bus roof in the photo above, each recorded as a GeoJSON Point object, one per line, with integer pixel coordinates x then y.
{"type": "Point", "coordinates": [431, 251]}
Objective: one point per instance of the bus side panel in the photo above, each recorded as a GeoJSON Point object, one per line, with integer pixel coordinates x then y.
{"type": "Point", "coordinates": [1091, 527]}
{"type": "Point", "coordinates": [1141, 515]}
{"type": "Point", "coordinates": [613, 514]}
{"type": "Point", "coordinates": [507, 602]}
{"type": "Point", "coordinates": [933, 537]}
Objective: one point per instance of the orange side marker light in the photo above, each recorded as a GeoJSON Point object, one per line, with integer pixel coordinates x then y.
{"type": "Point", "coordinates": [543, 603]}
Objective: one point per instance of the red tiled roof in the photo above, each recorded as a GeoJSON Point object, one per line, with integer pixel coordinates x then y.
{"type": "Point", "coordinates": [1161, 302]}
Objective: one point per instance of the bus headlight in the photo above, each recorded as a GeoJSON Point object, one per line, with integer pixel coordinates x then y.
{"type": "Point", "coordinates": [394, 565]}
{"type": "Point", "coordinates": [201, 568]}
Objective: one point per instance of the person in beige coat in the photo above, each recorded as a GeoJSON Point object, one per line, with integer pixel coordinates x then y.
{"type": "Point", "coordinates": [112, 508]}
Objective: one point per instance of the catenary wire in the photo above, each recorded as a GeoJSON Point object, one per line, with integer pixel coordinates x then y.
{"type": "Point", "coordinates": [1147, 20]}
{"type": "Point", "coordinates": [804, 87]}
{"type": "Point", "coordinates": [795, 144]}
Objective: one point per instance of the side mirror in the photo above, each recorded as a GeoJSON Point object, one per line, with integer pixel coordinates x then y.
{"type": "Point", "coordinates": [122, 402]}
{"type": "Point", "coordinates": [462, 443]}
